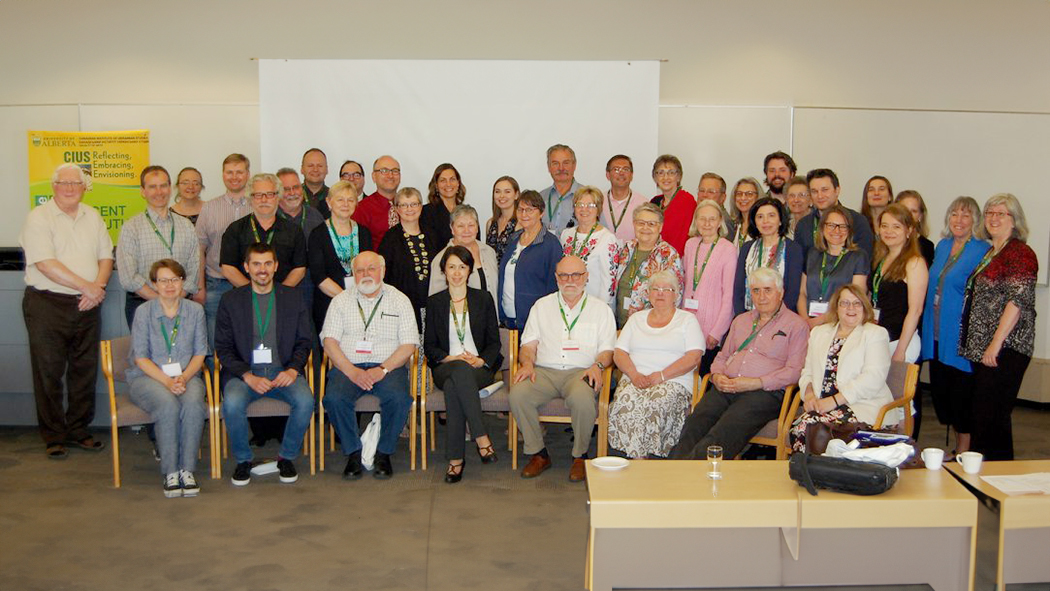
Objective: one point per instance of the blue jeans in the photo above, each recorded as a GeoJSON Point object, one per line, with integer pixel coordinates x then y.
{"type": "Point", "coordinates": [341, 395]}
{"type": "Point", "coordinates": [178, 420]}
{"type": "Point", "coordinates": [236, 397]}
{"type": "Point", "coordinates": [215, 288]}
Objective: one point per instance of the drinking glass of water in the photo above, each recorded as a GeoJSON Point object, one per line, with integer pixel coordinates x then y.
{"type": "Point", "coordinates": [714, 462]}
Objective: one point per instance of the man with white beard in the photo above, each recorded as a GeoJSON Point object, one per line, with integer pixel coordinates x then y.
{"type": "Point", "coordinates": [369, 335]}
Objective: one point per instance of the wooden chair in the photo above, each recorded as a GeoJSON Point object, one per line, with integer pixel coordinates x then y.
{"type": "Point", "coordinates": [265, 406]}
{"type": "Point", "coordinates": [775, 431]}
{"type": "Point", "coordinates": [432, 399]}
{"type": "Point", "coordinates": [124, 413]}
{"type": "Point", "coordinates": [902, 380]}
{"type": "Point", "coordinates": [367, 403]}
{"type": "Point", "coordinates": [556, 411]}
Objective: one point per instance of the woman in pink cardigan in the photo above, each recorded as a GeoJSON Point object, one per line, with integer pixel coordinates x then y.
{"type": "Point", "coordinates": [710, 264]}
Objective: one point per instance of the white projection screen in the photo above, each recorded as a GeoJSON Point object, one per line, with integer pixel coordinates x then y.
{"type": "Point", "coordinates": [489, 118]}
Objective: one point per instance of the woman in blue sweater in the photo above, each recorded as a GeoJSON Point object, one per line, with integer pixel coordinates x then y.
{"type": "Point", "coordinates": [526, 271]}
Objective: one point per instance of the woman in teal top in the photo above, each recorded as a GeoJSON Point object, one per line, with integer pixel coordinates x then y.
{"type": "Point", "coordinates": [956, 256]}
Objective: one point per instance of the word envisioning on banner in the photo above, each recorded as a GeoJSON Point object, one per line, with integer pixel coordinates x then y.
{"type": "Point", "coordinates": [113, 159]}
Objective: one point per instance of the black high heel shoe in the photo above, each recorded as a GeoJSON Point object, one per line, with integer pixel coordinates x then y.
{"type": "Point", "coordinates": [489, 457]}
{"type": "Point", "coordinates": [454, 473]}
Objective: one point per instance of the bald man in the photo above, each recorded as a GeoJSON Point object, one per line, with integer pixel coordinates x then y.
{"type": "Point", "coordinates": [376, 212]}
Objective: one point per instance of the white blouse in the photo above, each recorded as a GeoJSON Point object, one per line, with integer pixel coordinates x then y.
{"type": "Point", "coordinates": [654, 349]}
{"type": "Point", "coordinates": [597, 252]}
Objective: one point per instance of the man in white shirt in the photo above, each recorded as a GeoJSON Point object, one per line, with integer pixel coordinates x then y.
{"type": "Point", "coordinates": [567, 342]}
{"type": "Point", "coordinates": [69, 258]}
{"type": "Point", "coordinates": [369, 334]}
{"type": "Point", "coordinates": [620, 201]}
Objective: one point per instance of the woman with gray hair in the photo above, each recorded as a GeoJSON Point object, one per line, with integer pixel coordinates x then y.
{"type": "Point", "coordinates": [639, 259]}
{"type": "Point", "coordinates": [1000, 326]}
{"type": "Point", "coordinates": [657, 351]}
{"type": "Point", "coordinates": [465, 233]}
{"type": "Point", "coordinates": [951, 375]}
{"type": "Point", "coordinates": [710, 269]}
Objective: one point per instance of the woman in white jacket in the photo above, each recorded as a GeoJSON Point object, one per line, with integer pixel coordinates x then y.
{"type": "Point", "coordinates": [844, 380]}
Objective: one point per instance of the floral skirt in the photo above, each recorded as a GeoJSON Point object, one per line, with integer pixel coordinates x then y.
{"type": "Point", "coordinates": [839, 415]}
{"type": "Point", "coordinates": [647, 421]}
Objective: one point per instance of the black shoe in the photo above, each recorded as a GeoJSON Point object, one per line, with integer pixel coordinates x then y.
{"type": "Point", "coordinates": [242, 474]}
{"type": "Point", "coordinates": [382, 468]}
{"type": "Point", "coordinates": [454, 473]}
{"type": "Point", "coordinates": [353, 467]}
{"type": "Point", "coordinates": [487, 454]}
{"type": "Point", "coordinates": [286, 468]}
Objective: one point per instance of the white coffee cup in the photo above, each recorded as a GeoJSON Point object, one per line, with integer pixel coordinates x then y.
{"type": "Point", "coordinates": [971, 461]}
{"type": "Point", "coordinates": [933, 458]}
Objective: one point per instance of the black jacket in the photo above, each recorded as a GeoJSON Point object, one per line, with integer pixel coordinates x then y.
{"type": "Point", "coordinates": [233, 331]}
{"type": "Point", "coordinates": [484, 328]}
{"type": "Point", "coordinates": [324, 264]}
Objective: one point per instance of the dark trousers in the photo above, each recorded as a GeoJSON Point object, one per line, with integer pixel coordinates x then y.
{"type": "Point", "coordinates": [708, 359]}
{"type": "Point", "coordinates": [132, 301]}
{"type": "Point", "coordinates": [460, 382]}
{"type": "Point", "coordinates": [952, 391]}
{"type": "Point", "coordinates": [994, 394]}
{"type": "Point", "coordinates": [729, 420]}
{"type": "Point", "coordinates": [63, 342]}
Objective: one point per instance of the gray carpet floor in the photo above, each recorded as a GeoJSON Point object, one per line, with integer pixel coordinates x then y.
{"type": "Point", "coordinates": [63, 527]}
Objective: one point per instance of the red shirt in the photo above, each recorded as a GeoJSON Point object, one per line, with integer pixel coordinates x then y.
{"type": "Point", "coordinates": [677, 218]}
{"type": "Point", "coordinates": [373, 212]}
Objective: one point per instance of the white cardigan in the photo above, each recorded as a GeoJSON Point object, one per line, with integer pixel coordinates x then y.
{"type": "Point", "coordinates": [864, 363]}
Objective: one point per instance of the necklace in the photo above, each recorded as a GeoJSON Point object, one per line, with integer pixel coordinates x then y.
{"type": "Point", "coordinates": [420, 256]}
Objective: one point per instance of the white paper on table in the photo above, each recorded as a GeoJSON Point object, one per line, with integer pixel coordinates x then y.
{"type": "Point", "coordinates": [1036, 483]}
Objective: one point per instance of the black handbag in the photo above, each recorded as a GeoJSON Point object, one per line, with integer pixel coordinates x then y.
{"type": "Point", "coordinates": [840, 475]}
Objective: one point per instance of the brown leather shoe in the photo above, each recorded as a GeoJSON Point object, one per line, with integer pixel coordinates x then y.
{"type": "Point", "coordinates": [578, 472]}
{"type": "Point", "coordinates": [537, 464]}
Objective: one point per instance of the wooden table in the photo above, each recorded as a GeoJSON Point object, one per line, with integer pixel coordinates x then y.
{"type": "Point", "coordinates": [1024, 522]}
{"type": "Point", "coordinates": [664, 524]}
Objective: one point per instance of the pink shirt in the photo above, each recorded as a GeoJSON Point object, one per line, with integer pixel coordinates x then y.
{"type": "Point", "coordinates": [625, 230]}
{"type": "Point", "coordinates": [714, 292]}
{"type": "Point", "coordinates": [776, 355]}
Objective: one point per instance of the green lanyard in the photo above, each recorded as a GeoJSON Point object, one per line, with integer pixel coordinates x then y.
{"type": "Point", "coordinates": [696, 258]}
{"type": "Point", "coordinates": [170, 342]}
{"type": "Point", "coordinates": [361, 311]}
{"type": "Point", "coordinates": [988, 256]}
{"type": "Point", "coordinates": [665, 207]}
{"type": "Point", "coordinates": [302, 218]}
{"type": "Point", "coordinates": [816, 227]}
{"type": "Point", "coordinates": [825, 276]}
{"type": "Point", "coordinates": [762, 248]}
{"type": "Point", "coordinates": [262, 325]}
{"type": "Point", "coordinates": [623, 212]}
{"type": "Point", "coordinates": [576, 241]}
{"type": "Point", "coordinates": [170, 246]}
{"type": "Point", "coordinates": [569, 327]}
{"type": "Point", "coordinates": [552, 211]}
{"type": "Point", "coordinates": [461, 331]}
{"type": "Point", "coordinates": [255, 232]}
{"type": "Point", "coordinates": [876, 281]}
{"type": "Point", "coordinates": [952, 259]}
{"type": "Point", "coordinates": [754, 333]}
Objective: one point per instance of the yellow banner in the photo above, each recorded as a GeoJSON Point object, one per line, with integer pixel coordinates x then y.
{"type": "Point", "coordinates": [114, 160]}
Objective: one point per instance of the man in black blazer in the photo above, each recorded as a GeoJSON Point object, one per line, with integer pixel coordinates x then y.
{"type": "Point", "coordinates": [263, 336]}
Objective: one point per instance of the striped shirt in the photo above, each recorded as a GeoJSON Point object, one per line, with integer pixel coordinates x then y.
{"type": "Point", "coordinates": [140, 246]}
{"type": "Point", "coordinates": [215, 216]}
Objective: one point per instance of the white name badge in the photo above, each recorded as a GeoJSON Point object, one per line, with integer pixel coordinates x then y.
{"type": "Point", "coordinates": [172, 370]}
{"type": "Point", "coordinates": [878, 313]}
{"type": "Point", "coordinates": [363, 347]}
{"type": "Point", "coordinates": [627, 302]}
{"type": "Point", "coordinates": [570, 345]}
{"type": "Point", "coordinates": [262, 356]}
{"type": "Point", "coordinates": [936, 299]}
{"type": "Point", "coordinates": [691, 304]}
{"type": "Point", "coordinates": [817, 308]}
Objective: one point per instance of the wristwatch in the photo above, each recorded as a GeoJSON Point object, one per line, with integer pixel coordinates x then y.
{"type": "Point", "coordinates": [385, 370]}
{"type": "Point", "coordinates": [600, 366]}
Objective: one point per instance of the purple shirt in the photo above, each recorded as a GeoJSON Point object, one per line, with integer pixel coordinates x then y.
{"type": "Point", "coordinates": [776, 355]}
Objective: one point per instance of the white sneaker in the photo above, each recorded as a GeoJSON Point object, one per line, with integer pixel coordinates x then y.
{"type": "Point", "coordinates": [172, 486]}
{"type": "Point", "coordinates": [189, 484]}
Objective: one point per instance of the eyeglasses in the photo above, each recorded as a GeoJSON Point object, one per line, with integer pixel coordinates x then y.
{"type": "Point", "coordinates": [412, 205]}
{"type": "Point", "coordinates": [343, 200]}
{"type": "Point", "coordinates": [190, 183]}
{"type": "Point", "coordinates": [524, 209]}
{"type": "Point", "coordinates": [346, 176]}
{"type": "Point", "coordinates": [169, 281]}
{"type": "Point", "coordinates": [847, 304]}
{"type": "Point", "coordinates": [568, 276]}
{"type": "Point", "coordinates": [587, 205]}
{"type": "Point", "coordinates": [664, 289]}
{"type": "Point", "coordinates": [646, 223]}
{"type": "Point", "coordinates": [368, 269]}
{"type": "Point", "coordinates": [292, 189]}
{"type": "Point", "coordinates": [836, 227]}
{"type": "Point", "coordinates": [662, 172]}
{"type": "Point", "coordinates": [265, 195]}
{"type": "Point", "coordinates": [745, 194]}
{"type": "Point", "coordinates": [997, 215]}
{"type": "Point", "coordinates": [709, 191]}
{"type": "Point", "coordinates": [70, 183]}
{"type": "Point", "coordinates": [621, 169]}
{"type": "Point", "coordinates": [387, 171]}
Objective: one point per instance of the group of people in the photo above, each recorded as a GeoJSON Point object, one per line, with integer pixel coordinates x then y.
{"type": "Point", "coordinates": [775, 284]}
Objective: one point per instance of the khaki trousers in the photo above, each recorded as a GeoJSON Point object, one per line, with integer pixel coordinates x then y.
{"type": "Point", "coordinates": [527, 397]}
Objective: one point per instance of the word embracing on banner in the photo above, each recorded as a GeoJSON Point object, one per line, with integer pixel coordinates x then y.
{"type": "Point", "coordinates": [113, 159]}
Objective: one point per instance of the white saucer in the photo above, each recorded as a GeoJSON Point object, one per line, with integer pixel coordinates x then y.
{"type": "Point", "coordinates": [610, 463]}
